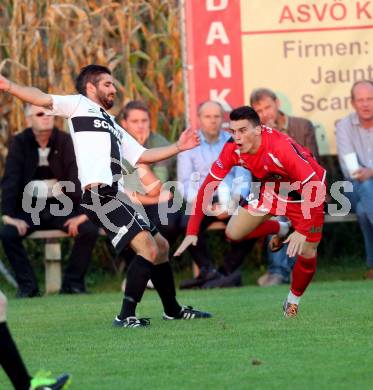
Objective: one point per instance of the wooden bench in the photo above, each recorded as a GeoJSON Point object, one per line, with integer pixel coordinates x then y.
{"type": "Point", "coordinates": [52, 256]}
{"type": "Point", "coordinates": [218, 225]}
{"type": "Point", "coordinates": [340, 218]}
{"type": "Point", "coordinates": [52, 251]}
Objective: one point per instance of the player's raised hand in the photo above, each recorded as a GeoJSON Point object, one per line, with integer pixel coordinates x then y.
{"type": "Point", "coordinates": [188, 139]}
{"type": "Point", "coordinates": [296, 243]}
{"type": "Point", "coordinates": [4, 83]}
{"type": "Point", "coordinates": [188, 240]}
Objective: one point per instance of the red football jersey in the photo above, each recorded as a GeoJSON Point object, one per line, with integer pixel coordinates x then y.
{"type": "Point", "coordinates": [289, 168]}
{"type": "Point", "coordinates": [279, 159]}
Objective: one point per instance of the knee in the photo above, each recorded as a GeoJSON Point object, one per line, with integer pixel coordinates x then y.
{"type": "Point", "coordinates": [3, 306]}
{"type": "Point", "coordinates": [163, 248]}
{"type": "Point", "coordinates": [151, 251]}
{"type": "Point", "coordinates": [231, 235]}
{"type": "Point", "coordinates": [309, 253]}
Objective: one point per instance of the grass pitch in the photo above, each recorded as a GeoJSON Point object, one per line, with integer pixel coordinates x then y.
{"type": "Point", "coordinates": [247, 345]}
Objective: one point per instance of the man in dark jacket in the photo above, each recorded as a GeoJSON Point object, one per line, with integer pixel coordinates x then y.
{"type": "Point", "coordinates": [41, 190]}
{"type": "Point", "coordinates": [265, 102]}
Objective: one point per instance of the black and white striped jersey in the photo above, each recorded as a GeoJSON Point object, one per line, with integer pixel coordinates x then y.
{"type": "Point", "coordinates": [100, 143]}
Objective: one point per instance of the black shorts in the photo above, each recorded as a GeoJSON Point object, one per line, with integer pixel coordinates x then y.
{"type": "Point", "coordinates": [113, 211]}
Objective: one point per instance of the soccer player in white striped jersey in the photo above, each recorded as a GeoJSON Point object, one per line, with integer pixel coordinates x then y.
{"type": "Point", "coordinates": [100, 144]}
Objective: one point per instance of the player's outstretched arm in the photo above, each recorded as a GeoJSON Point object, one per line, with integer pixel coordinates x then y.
{"type": "Point", "coordinates": [188, 240]}
{"type": "Point", "coordinates": [188, 139]}
{"type": "Point", "coordinates": [27, 94]}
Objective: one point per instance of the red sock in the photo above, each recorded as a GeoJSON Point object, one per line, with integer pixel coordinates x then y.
{"type": "Point", "coordinates": [303, 272]}
{"type": "Point", "coordinates": [266, 228]}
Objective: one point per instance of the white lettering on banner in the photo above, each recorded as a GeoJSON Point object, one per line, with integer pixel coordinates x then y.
{"type": "Point", "coordinates": [212, 6]}
{"type": "Point", "coordinates": [220, 97]}
{"type": "Point", "coordinates": [217, 32]}
{"type": "Point", "coordinates": [224, 68]}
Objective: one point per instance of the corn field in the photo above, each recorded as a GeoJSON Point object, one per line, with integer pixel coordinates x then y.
{"type": "Point", "coordinates": [45, 43]}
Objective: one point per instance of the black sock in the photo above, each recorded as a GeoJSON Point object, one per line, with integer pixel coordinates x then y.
{"type": "Point", "coordinates": [163, 281]}
{"type": "Point", "coordinates": [138, 274]}
{"type": "Point", "coordinates": [11, 360]}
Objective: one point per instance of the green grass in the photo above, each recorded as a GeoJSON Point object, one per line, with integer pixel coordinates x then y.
{"type": "Point", "coordinates": [329, 346]}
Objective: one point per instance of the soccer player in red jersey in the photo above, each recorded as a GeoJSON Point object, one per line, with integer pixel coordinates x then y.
{"type": "Point", "coordinates": [292, 184]}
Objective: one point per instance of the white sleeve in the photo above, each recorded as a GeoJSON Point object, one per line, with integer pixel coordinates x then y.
{"type": "Point", "coordinates": [344, 143]}
{"type": "Point", "coordinates": [64, 106]}
{"type": "Point", "coordinates": [131, 149]}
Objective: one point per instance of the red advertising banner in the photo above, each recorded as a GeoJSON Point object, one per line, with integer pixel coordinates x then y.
{"type": "Point", "coordinates": [214, 54]}
{"type": "Point", "coordinates": [308, 52]}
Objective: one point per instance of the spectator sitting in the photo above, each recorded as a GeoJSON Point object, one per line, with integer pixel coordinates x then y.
{"type": "Point", "coordinates": [135, 118]}
{"type": "Point", "coordinates": [192, 168]}
{"type": "Point", "coordinates": [355, 138]}
{"type": "Point", "coordinates": [145, 182]}
{"type": "Point", "coordinates": [39, 158]}
{"type": "Point", "coordinates": [267, 105]}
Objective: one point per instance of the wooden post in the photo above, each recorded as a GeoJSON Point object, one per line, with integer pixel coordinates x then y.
{"type": "Point", "coordinates": [52, 266]}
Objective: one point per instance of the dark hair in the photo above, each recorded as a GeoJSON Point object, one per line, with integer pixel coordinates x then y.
{"type": "Point", "coordinates": [245, 112]}
{"type": "Point", "coordinates": [356, 83]}
{"type": "Point", "coordinates": [89, 74]}
{"type": "Point", "coordinates": [133, 105]}
{"type": "Point", "coordinates": [260, 93]}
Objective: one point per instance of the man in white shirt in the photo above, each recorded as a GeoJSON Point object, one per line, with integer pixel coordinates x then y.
{"type": "Point", "coordinates": [100, 144]}
{"type": "Point", "coordinates": [192, 168]}
{"type": "Point", "coordinates": [355, 138]}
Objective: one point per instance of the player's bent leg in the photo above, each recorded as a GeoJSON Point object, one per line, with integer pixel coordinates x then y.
{"type": "Point", "coordinates": [310, 249]}
{"type": "Point", "coordinates": [3, 306]}
{"type": "Point", "coordinates": [163, 281]}
{"type": "Point", "coordinates": [145, 245]}
{"type": "Point", "coordinates": [303, 272]}
{"type": "Point", "coordinates": [243, 223]}
{"type": "Point", "coordinates": [163, 248]}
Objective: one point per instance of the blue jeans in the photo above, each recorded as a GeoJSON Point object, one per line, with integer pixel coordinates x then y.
{"type": "Point", "coordinates": [362, 204]}
{"type": "Point", "coordinates": [280, 263]}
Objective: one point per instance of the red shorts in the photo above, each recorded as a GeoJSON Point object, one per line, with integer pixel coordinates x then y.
{"type": "Point", "coordinates": [302, 224]}
{"type": "Point", "coordinates": [307, 221]}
